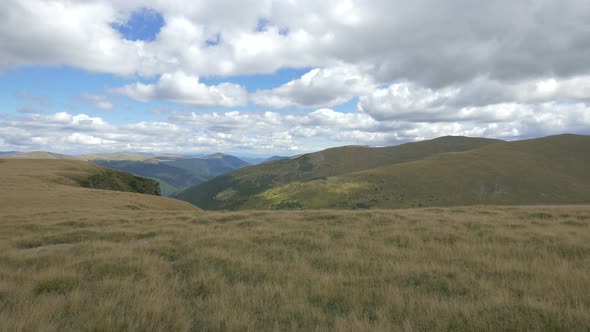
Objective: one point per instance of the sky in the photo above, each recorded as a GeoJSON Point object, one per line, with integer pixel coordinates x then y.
{"type": "Point", "coordinates": [284, 77]}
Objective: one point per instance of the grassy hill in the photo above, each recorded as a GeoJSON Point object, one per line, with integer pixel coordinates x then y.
{"type": "Point", "coordinates": [552, 170]}
{"type": "Point", "coordinates": [38, 155]}
{"type": "Point", "coordinates": [236, 189]}
{"type": "Point", "coordinates": [72, 184]}
{"type": "Point", "coordinates": [174, 172]}
{"type": "Point", "coordinates": [209, 166]}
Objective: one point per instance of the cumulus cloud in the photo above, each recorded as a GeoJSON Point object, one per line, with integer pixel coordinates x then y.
{"type": "Point", "coordinates": [481, 100]}
{"type": "Point", "coordinates": [185, 89]}
{"type": "Point", "coordinates": [277, 132]}
{"type": "Point", "coordinates": [507, 40]}
{"type": "Point", "coordinates": [320, 87]}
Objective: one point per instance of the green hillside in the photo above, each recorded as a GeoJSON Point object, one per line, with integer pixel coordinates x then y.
{"type": "Point", "coordinates": [119, 181]}
{"type": "Point", "coordinates": [209, 166]}
{"type": "Point", "coordinates": [240, 188]}
{"type": "Point", "coordinates": [539, 171]}
{"type": "Point", "coordinates": [171, 178]}
{"type": "Point", "coordinates": [176, 174]}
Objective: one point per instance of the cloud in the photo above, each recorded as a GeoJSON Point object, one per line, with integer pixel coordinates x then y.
{"type": "Point", "coordinates": [504, 40]}
{"type": "Point", "coordinates": [184, 89]}
{"type": "Point", "coordinates": [264, 132]}
{"type": "Point", "coordinates": [98, 101]}
{"type": "Point", "coordinates": [320, 87]}
{"type": "Point", "coordinates": [481, 100]}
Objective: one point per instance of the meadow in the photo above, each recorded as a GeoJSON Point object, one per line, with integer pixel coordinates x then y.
{"type": "Point", "coordinates": [457, 269]}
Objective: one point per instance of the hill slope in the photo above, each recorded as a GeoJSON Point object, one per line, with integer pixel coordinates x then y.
{"type": "Point", "coordinates": [74, 185]}
{"type": "Point", "coordinates": [236, 189]}
{"type": "Point", "coordinates": [38, 155]}
{"type": "Point", "coordinates": [176, 174]}
{"type": "Point", "coordinates": [552, 170]}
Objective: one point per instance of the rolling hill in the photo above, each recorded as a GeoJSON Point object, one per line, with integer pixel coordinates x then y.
{"type": "Point", "coordinates": [38, 155]}
{"type": "Point", "coordinates": [239, 189]}
{"type": "Point", "coordinates": [551, 170]}
{"type": "Point", "coordinates": [73, 185]}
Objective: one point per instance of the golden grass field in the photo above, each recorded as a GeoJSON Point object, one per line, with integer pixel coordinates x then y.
{"type": "Point", "coordinates": [164, 266]}
{"type": "Point", "coordinates": [482, 268]}
{"type": "Point", "coordinates": [45, 184]}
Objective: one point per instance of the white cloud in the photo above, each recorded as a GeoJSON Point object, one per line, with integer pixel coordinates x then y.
{"type": "Point", "coordinates": [407, 101]}
{"type": "Point", "coordinates": [504, 39]}
{"type": "Point", "coordinates": [320, 87]}
{"type": "Point", "coordinates": [274, 132]}
{"type": "Point", "coordinates": [480, 100]}
{"type": "Point", "coordinates": [184, 89]}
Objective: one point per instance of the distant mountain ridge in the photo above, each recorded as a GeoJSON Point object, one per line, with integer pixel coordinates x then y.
{"type": "Point", "coordinates": [173, 172]}
{"type": "Point", "coordinates": [38, 155]}
{"type": "Point", "coordinates": [447, 171]}
{"type": "Point", "coordinates": [552, 170]}
{"type": "Point", "coordinates": [239, 188]}
{"type": "Point", "coordinates": [274, 158]}
{"type": "Point", "coordinates": [177, 173]}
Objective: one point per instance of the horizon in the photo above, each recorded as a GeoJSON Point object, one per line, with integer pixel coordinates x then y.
{"type": "Point", "coordinates": [286, 78]}
{"type": "Point", "coordinates": [259, 156]}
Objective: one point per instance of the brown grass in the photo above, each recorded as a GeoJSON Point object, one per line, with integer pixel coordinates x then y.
{"type": "Point", "coordinates": [49, 185]}
{"type": "Point", "coordinates": [75, 259]}
{"type": "Point", "coordinates": [477, 268]}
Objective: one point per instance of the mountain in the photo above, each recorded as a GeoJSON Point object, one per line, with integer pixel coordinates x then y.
{"type": "Point", "coordinates": [256, 161]}
{"type": "Point", "coordinates": [38, 155]}
{"type": "Point", "coordinates": [253, 160]}
{"type": "Point", "coordinates": [116, 156]}
{"type": "Point", "coordinates": [214, 156]}
{"type": "Point", "coordinates": [241, 188]}
{"type": "Point", "coordinates": [273, 158]}
{"type": "Point", "coordinates": [552, 170]}
{"type": "Point", "coordinates": [177, 173]}
{"type": "Point", "coordinates": [85, 157]}
{"type": "Point", "coordinates": [3, 153]}
{"type": "Point", "coordinates": [72, 184]}
{"type": "Point", "coordinates": [170, 178]}
{"type": "Point", "coordinates": [174, 172]}
{"type": "Point", "coordinates": [209, 166]}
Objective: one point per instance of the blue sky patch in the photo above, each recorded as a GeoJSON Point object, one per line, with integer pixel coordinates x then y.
{"type": "Point", "coordinates": [143, 24]}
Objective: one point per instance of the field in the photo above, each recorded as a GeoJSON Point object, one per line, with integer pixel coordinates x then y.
{"type": "Point", "coordinates": [461, 269]}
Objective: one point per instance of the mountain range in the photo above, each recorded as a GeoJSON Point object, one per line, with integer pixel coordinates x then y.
{"type": "Point", "coordinates": [446, 171]}
{"type": "Point", "coordinates": [173, 172]}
